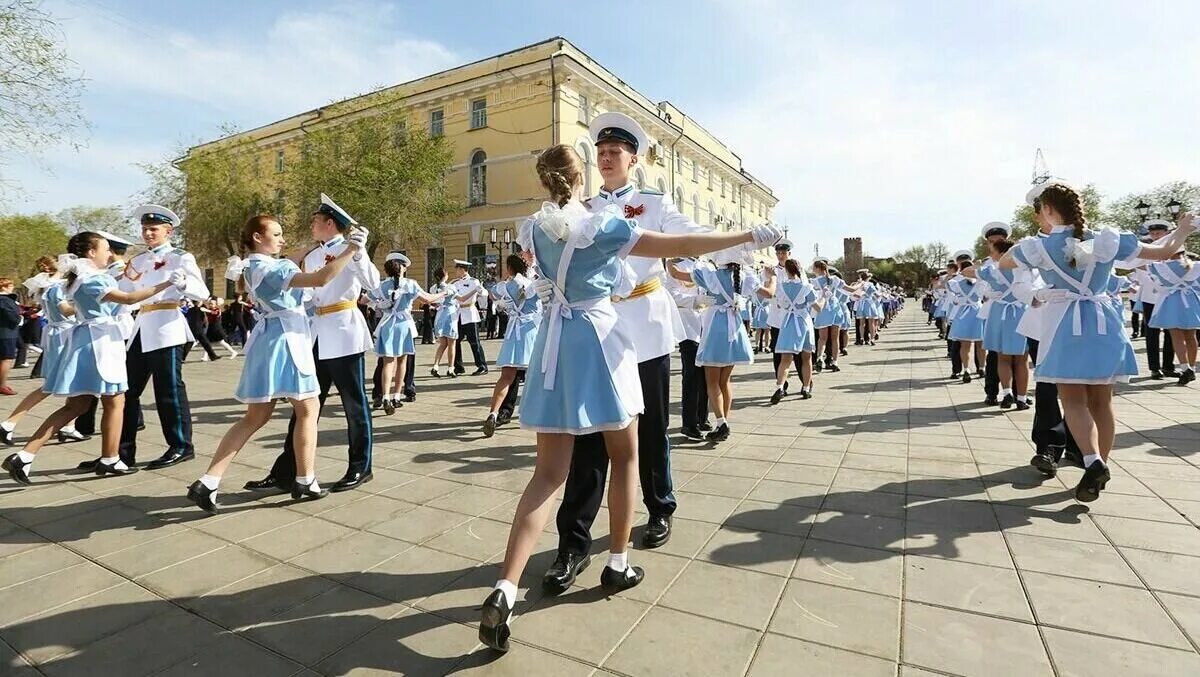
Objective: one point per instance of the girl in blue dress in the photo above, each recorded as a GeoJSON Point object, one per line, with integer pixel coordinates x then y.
{"type": "Point", "coordinates": [828, 321]}
{"type": "Point", "coordinates": [583, 375]}
{"type": "Point", "coordinates": [1178, 309]}
{"type": "Point", "coordinates": [1083, 347]}
{"type": "Point", "coordinates": [1003, 314]}
{"type": "Point", "coordinates": [966, 325]}
{"type": "Point", "coordinates": [279, 355]}
{"type": "Point", "coordinates": [868, 311]}
{"type": "Point", "coordinates": [845, 315]}
{"type": "Point", "coordinates": [520, 302]}
{"type": "Point", "coordinates": [395, 336]}
{"type": "Point", "coordinates": [799, 299]}
{"type": "Point", "coordinates": [759, 327]}
{"type": "Point", "coordinates": [445, 326]}
{"type": "Point", "coordinates": [724, 343]}
{"type": "Point", "coordinates": [92, 361]}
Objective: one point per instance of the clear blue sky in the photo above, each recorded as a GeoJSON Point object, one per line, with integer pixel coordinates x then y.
{"type": "Point", "coordinates": [899, 122]}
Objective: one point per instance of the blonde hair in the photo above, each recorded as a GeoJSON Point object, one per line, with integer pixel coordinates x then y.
{"type": "Point", "coordinates": [560, 169]}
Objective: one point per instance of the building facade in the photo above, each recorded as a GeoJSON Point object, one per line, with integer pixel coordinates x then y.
{"type": "Point", "coordinates": [500, 113]}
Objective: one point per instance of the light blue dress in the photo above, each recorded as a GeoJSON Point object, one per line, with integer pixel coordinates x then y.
{"type": "Point", "coordinates": [394, 335]}
{"type": "Point", "coordinates": [830, 314]}
{"type": "Point", "coordinates": [966, 325]}
{"type": "Point", "coordinates": [92, 361]}
{"type": "Point", "coordinates": [524, 315]}
{"type": "Point", "coordinates": [795, 331]}
{"type": "Point", "coordinates": [1082, 337]}
{"type": "Point", "coordinates": [279, 360]}
{"type": "Point", "coordinates": [1004, 313]}
{"type": "Point", "coordinates": [723, 338]}
{"type": "Point", "coordinates": [869, 306]}
{"type": "Point", "coordinates": [1179, 305]}
{"type": "Point", "coordinates": [445, 324]}
{"type": "Point", "coordinates": [758, 315]}
{"type": "Point", "coordinates": [54, 334]}
{"type": "Point", "coordinates": [582, 375]}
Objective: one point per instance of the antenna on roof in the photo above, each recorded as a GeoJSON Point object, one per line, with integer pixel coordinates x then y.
{"type": "Point", "coordinates": [1040, 171]}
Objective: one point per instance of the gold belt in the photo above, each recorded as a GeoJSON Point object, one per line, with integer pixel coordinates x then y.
{"type": "Point", "coordinates": [647, 287]}
{"type": "Point", "coordinates": [159, 306]}
{"type": "Point", "coordinates": [336, 307]}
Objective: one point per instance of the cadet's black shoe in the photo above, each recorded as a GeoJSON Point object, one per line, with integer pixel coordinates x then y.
{"type": "Point", "coordinates": [1170, 372]}
{"type": "Point", "coordinates": [351, 480]}
{"type": "Point", "coordinates": [658, 531]}
{"type": "Point", "coordinates": [561, 575]}
{"type": "Point", "coordinates": [458, 372]}
{"type": "Point", "coordinates": [818, 366]}
{"type": "Point", "coordinates": [704, 426]}
{"type": "Point", "coordinates": [720, 434]}
{"type": "Point", "coordinates": [1156, 375]}
{"type": "Point", "coordinates": [777, 397]}
{"type": "Point", "coordinates": [1045, 464]}
{"type": "Point", "coordinates": [956, 375]}
{"type": "Point", "coordinates": [267, 484]}
{"type": "Point", "coordinates": [843, 352]}
{"type": "Point", "coordinates": [503, 417]}
{"type": "Point", "coordinates": [103, 469]}
{"type": "Point", "coordinates": [1007, 402]}
{"type": "Point", "coordinates": [489, 425]}
{"type": "Point", "coordinates": [615, 581]}
{"type": "Point", "coordinates": [202, 497]}
{"type": "Point", "coordinates": [991, 401]}
{"type": "Point", "coordinates": [410, 398]}
{"type": "Point", "coordinates": [834, 368]}
{"type": "Point", "coordinates": [172, 457]}
{"type": "Point", "coordinates": [8, 437]}
{"type": "Point", "coordinates": [1094, 479]}
{"type": "Point", "coordinates": [493, 621]}
{"type": "Point", "coordinates": [306, 492]}
{"type": "Point", "coordinates": [480, 371]}
{"type": "Point", "coordinates": [17, 469]}
{"type": "Point", "coordinates": [692, 432]}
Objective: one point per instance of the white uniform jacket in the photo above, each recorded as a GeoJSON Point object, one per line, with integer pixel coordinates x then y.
{"type": "Point", "coordinates": [159, 321]}
{"type": "Point", "coordinates": [338, 326]}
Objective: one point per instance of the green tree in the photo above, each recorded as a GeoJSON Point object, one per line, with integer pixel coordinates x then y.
{"type": "Point", "coordinates": [25, 239]}
{"type": "Point", "coordinates": [108, 218]}
{"type": "Point", "coordinates": [1122, 213]}
{"type": "Point", "coordinates": [40, 86]}
{"type": "Point", "coordinates": [390, 180]}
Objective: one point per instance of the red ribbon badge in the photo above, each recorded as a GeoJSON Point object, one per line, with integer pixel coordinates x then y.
{"type": "Point", "coordinates": [631, 211]}
{"type": "Point", "coordinates": [329, 257]}
{"type": "Point", "coordinates": [159, 264]}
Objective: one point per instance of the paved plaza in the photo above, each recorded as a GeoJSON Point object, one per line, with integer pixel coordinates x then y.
{"type": "Point", "coordinates": [888, 526]}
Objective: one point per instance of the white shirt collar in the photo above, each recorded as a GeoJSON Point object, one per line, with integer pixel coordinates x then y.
{"type": "Point", "coordinates": [334, 241]}
{"type": "Point", "coordinates": [617, 194]}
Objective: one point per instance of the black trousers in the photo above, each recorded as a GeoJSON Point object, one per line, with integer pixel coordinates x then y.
{"type": "Point", "coordinates": [427, 326]}
{"type": "Point", "coordinates": [589, 464]}
{"type": "Point", "coordinates": [509, 404]}
{"type": "Point", "coordinates": [991, 374]}
{"type": "Point", "coordinates": [1135, 319]}
{"type": "Point", "coordinates": [470, 332]}
{"type": "Point", "coordinates": [165, 367]}
{"type": "Point", "coordinates": [347, 372]}
{"type": "Point", "coordinates": [1152, 334]}
{"type": "Point", "coordinates": [410, 386]}
{"type": "Point", "coordinates": [201, 334]}
{"type": "Point", "coordinates": [694, 405]}
{"type": "Point", "coordinates": [956, 364]}
{"type": "Point", "coordinates": [36, 372]}
{"type": "Point", "coordinates": [1049, 426]}
{"type": "Point", "coordinates": [776, 357]}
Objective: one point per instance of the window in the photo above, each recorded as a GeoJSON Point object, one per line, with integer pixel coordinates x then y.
{"type": "Point", "coordinates": [585, 109]}
{"type": "Point", "coordinates": [695, 172]}
{"type": "Point", "coordinates": [436, 119]}
{"type": "Point", "coordinates": [722, 186]}
{"type": "Point", "coordinates": [208, 279]}
{"type": "Point", "coordinates": [678, 162]}
{"type": "Point", "coordinates": [712, 212]}
{"type": "Point", "coordinates": [477, 190]}
{"type": "Point", "coordinates": [477, 255]}
{"type": "Point", "coordinates": [696, 207]}
{"type": "Point", "coordinates": [679, 199]}
{"type": "Point", "coordinates": [584, 147]}
{"type": "Point", "coordinates": [479, 114]}
{"type": "Point", "coordinates": [231, 291]}
{"type": "Point", "coordinates": [639, 178]}
{"type": "Point", "coordinates": [662, 185]}
{"type": "Point", "coordinates": [435, 258]}
{"type": "Point", "coordinates": [400, 133]}
{"type": "Point", "coordinates": [279, 162]}
{"type": "Point", "coordinates": [710, 180]}
{"type": "Point", "coordinates": [280, 201]}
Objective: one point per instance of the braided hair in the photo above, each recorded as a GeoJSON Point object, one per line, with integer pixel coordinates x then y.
{"type": "Point", "coordinates": [560, 170]}
{"type": "Point", "coordinates": [737, 276]}
{"type": "Point", "coordinates": [1065, 200]}
{"type": "Point", "coordinates": [79, 246]}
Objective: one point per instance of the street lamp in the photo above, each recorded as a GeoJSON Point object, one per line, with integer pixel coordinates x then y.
{"type": "Point", "coordinates": [1173, 207]}
{"type": "Point", "coordinates": [1142, 209]}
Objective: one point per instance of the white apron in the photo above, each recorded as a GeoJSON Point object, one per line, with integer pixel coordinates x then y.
{"type": "Point", "coordinates": [296, 329]}
{"type": "Point", "coordinates": [726, 304]}
{"type": "Point", "coordinates": [1056, 303]}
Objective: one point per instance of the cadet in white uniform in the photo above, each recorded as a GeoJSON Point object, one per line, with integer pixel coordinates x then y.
{"type": "Point", "coordinates": [776, 312]}
{"type": "Point", "coordinates": [469, 290]}
{"type": "Point", "coordinates": [694, 400]}
{"type": "Point", "coordinates": [160, 335]}
{"type": "Point", "coordinates": [341, 337]}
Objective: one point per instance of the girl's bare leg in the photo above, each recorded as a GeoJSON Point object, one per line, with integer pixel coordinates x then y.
{"type": "Point", "coordinates": [387, 374]}
{"type": "Point", "coordinates": [533, 510]}
{"type": "Point", "coordinates": [1004, 365]}
{"type": "Point", "coordinates": [622, 447]}
{"type": "Point", "coordinates": [401, 374]}
{"type": "Point", "coordinates": [1179, 344]}
{"type": "Point", "coordinates": [712, 381]}
{"type": "Point", "coordinates": [1079, 416]}
{"type": "Point", "coordinates": [1020, 372]}
{"type": "Point", "coordinates": [726, 390]}
{"type": "Point", "coordinates": [307, 412]}
{"type": "Point", "coordinates": [785, 365]}
{"type": "Point", "coordinates": [500, 391]}
{"type": "Point", "coordinates": [835, 337]}
{"type": "Point", "coordinates": [28, 402]}
{"type": "Point", "coordinates": [806, 369]}
{"type": "Point", "coordinates": [239, 433]}
{"type": "Point", "coordinates": [72, 409]}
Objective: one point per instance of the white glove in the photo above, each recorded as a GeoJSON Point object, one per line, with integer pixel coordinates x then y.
{"type": "Point", "coordinates": [178, 279]}
{"type": "Point", "coordinates": [765, 235]}
{"type": "Point", "coordinates": [358, 237]}
{"type": "Point", "coordinates": [544, 288]}
{"type": "Point", "coordinates": [234, 267]}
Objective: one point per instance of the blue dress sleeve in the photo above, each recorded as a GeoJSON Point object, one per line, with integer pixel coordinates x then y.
{"type": "Point", "coordinates": [96, 286]}
{"type": "Point", "coordinates": [277, 278]}
{"type": "Point", "coordinates": [1128, 246]}
{"type": "Point", "coordinates": [1021, 255]}
{"type": "Point", "coordinates": [617, 236]}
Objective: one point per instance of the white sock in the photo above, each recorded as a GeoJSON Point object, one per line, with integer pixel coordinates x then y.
{"type": "Point", "coordinates": [1089, 459]}
{"type": "Point", "coordinates": [68, 430]}
{"type": "Point", "coordinates": [114, 461]}
{"type": "Point", "coordinates": [25, 457]}
{"type": "Point", "coordinates": [1005, 393]}
{"type": "Point", "coordinates": [618, 561]}
{"type": "Point", "coordinates": [305, 479]}
{"type": "Point", "coordinates": [509, 590]}
{"type": "Point", "coordinates": [210, 482]}
{"type": "Point", "coordinates": [493, 414]}
{"type": "Point", "coordinates": [8, 426]}
{"type": "Point", "coordinates": [718, 422]}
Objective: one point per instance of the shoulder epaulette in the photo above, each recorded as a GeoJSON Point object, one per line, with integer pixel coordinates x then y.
{"type": "Point", "coordinates": [647, 191]}
{"type": "Point", "coordinates": [178, 252]}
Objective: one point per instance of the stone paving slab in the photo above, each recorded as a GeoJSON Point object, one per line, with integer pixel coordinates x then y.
{"type": "Point", "coordinates": [889, 526]}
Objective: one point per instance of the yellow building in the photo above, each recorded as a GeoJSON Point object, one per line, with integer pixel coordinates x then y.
{"type": "Point", "coordinates": [500, 112]}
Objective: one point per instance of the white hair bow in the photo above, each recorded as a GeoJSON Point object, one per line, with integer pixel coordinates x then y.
{"type": "Point", "coordinates": [234, 267]}
{"type": "Point", "coordinates": [66, 263]}
{"type": "Point", "coordinates": [553, 220]}
{"type": "Point", "coordinates": [1082, 252]}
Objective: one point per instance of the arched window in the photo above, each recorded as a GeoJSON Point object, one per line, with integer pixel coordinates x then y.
{"type": "Point", "coordinates": [639, 178]}
{"type": "Point", "coordinates": [696, 207]}
{"type": "Point", "coordinates": [712, 212]}
{"type": "Point", "coordinates": [477, 190]}
{"type": "Point", "coordinates": [584, 146]}
{"type": "Point", "coordinates": [662, 185]}
{"type": "Point", "coordinates": [679, 198]}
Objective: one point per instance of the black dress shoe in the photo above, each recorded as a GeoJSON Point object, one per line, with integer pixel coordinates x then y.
{"type": "Point", "coordinates": [777, 396]}
{"type": "Point", "coordinates": [818, 366]}
{"type": "Point", "coordinates": [480, 371]}
{"type": "Point", "coordinates": [1073, 456]}
{"type": "Point", "coordinates": [493, 621]}
{"type": "Point", "coordinates": [658, 531]}
{"type": "Point", "coordinates": [966, 377]}
{"type": "Point", "coordinates": [172, 457]}
{"type": "Point", "coordinates": [410, 398]}
{"type": "Point", "coordinates": [103, 469]}
{"type": "Point", "coordinates": [805, 394]}
{"type": "Point", "coordinates": [389, 408]}
{"type": "Point", "coordinates": [1171, 373]}
{"type": "Point", "coordinates": [376, 404]}
{"type": "Point", "coordinates": [720, 434]}
{"type": "Point", "coordinates": [489, 426]}
{"type": "Point", "coordinates": [1022, 405]}
{"type": "Point", "coordinates": [67, 438]}
{"type": "Point", "coordinates": [704, 426]}
{"type": "Point", "coordinates": [350, 480]}
{"type": "Point", "coordinates": [503, 417]}
{"type": "Point", "coordinates": [202, 497]}
{"type": "Point", "coordinates": [435, 373]}
{"type": "Point", "coordinates": [956, 375]}
{"type": "Point", "coordinates": [267, 484]}
{"type": "Point", "coordinates": [991, 401]}
{"type": "Point", "coordinates": [785, 387]}
{"type": "Point", "coordinates": [1094, 479]}
{"type": "Point", "coordinates": [8, 437]}
{"type": "Point", "coordinates": [1156, 374]}
{"type": "Point", "coordinates": [306, 492]}
{"type": "Point", "coordinates": [1186, 377]}
{"type": "Point", "coordinates": [458, 372]}
{"type": "Point", "coordinates": [843, 352]}
{"type": "Point", "coordinates": [692, 432]}
{"type": "Point", "coordinates": [1045, 464]}
{"type": "Point", "coordinates": [834, 368]}
{"type": "Point", "coordinates": [17, 469]}
{"type": "Point", "coordinates": [561, 575]}
{"type": "Point", "coordinates": [615, 581]}
{"type": "Point", "coordinates": [1007, 402]}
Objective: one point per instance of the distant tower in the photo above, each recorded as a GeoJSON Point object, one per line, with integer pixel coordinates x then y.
{"type": "Point", "coordinates": [852, 254]}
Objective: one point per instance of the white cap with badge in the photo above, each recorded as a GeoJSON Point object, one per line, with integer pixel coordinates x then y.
{"type": "Point", "coordinates": [151, 214]}
{"type": "Point", "coordinates": [619, 127]}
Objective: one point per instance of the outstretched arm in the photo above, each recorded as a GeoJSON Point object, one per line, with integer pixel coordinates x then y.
{"type": "Point", "coordinates": [129, 298]}
{"type": "Point", "coordinates": [660, 245]}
